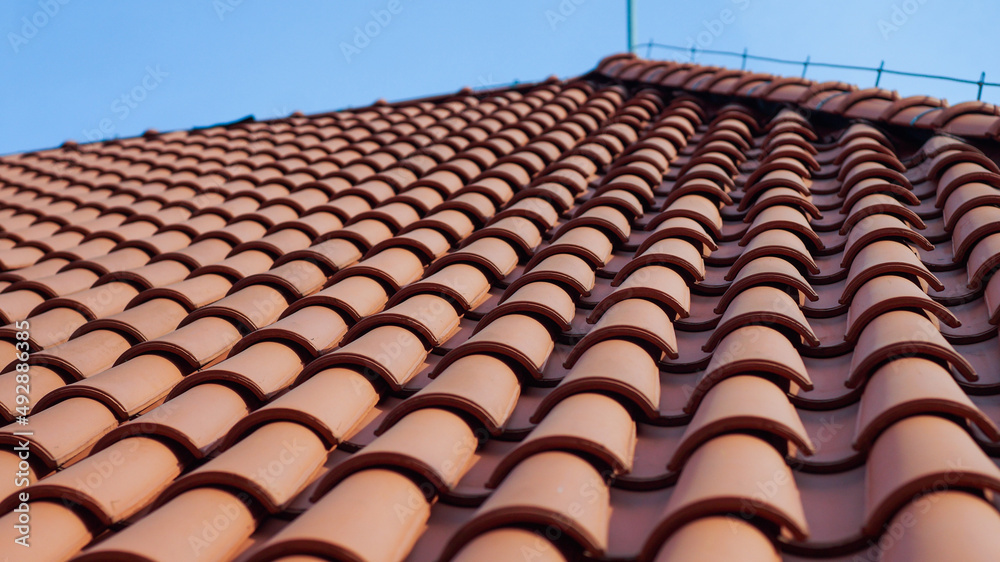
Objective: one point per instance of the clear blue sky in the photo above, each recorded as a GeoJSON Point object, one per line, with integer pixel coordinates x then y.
{"type": "Point", "coordinates": [73, 69]}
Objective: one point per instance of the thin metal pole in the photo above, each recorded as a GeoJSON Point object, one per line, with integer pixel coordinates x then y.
{"type": "Point", "coordinates": [629, 26]}
{"type": "Point", "coordinates": [744, 65]}
{"type": "Point", "coordinates": [982, 79]}
{"type": "Point", "coordinates": [878, 75]}
{"type": "Point", "coordinates": [805, 66]}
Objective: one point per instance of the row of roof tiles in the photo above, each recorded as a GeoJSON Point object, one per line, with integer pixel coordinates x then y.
{"type": "Point", "coordinates": [215, 376]}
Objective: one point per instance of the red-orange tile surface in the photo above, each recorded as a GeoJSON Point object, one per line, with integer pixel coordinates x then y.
{"type": "Point", "coordinates": [659, 312]}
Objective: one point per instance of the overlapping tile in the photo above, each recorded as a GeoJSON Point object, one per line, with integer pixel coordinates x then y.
{"type": "Point", "coordinates": [661, 312]}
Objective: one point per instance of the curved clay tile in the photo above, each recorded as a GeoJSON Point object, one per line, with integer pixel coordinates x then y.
{"type": "Point", "coordinates": [592, 425]}
{"type": "Point", "coordinates": [239, 465]}
{"type": "Point", "coordinates": [718, 538]}
{"type": "Point", "coordinates": [542, 299]}
{"type": "Point", "coordinates": [766, 270]}
{"type": "Point", "coordinates": [908, 110]}
{"type": "Point", "coordinates": [655, 283]}
{"type": "Point", "coordinates": [253, 307]}
{"type": "Point", "coordinates": [126, 390]}
{"type": "Point", "coordinates": [395, 266]}
{"type": "Point", "coordinates": [965, 198]}
{"type": "Point", "coordinates": [962, 173]}
{"type": "Point", "coordinates": [771, 180]}
{"type": "Point", "coordinates": [917, 454]}
{"type": "Point", "coordinates": [777, 162]}
{"type": "Point", "coordinates": [862, 130]}
{"type": "Point", "coordinates": [586, 242]}
{"type": "Point", "coordinates": [508, 543]}
{"type": "Point", "coordinates": [961, 153]}
{"type": "Point", "coordinates": [902, 332]}
{"type": "Point", "coordinates": [982, 260]}
{"type": "Point", "coordinates": [517, 337]}
{"type": "Point", "coordinates": [262, 369]}
{"type": "Point", "coordinates": [741, 404]}
{"type": "Point", "coordinates": [731, 135]}
{"type": "Point", "coordinates": [886, 257]}
{"type": "Point", "coordinates": [694, 206]}
{"type": "Point", "coordinates": [435, 444]}
{"type": "Point", "coordinates": [625, 202]}
{"type": "Point", "coordinates": [331, 255]}
{"type": "Point", "coordinates": [633, 319]}
{"type": "Point", "coordinates": [971, 118]}
{"type": "Point", "coordinates": [365, 233]}
{"type": "Point", "coordinates": [143, 468]}
{"type": "Point", "coordinates": [636, 186]}
{"type": "Point", "coordinates": [464, 284]}
{"type": "Point", "coordinates": [775, 243]}
{"type": "Point", "coordinates": [482, 386]}
{"type": "Point", "coordinates": [782, 155]}
{"type": "Point", "coordinates": [782, 196]}
{"type": "Point", "coordinates": [616, 367]}
{"type": "Point", "coordinates": [537, 209]}
{"type": "Point", "coordinates": [789, 139]}
{"type": "Point", "coordinates": [762, 305]}
{"type": "Point", "coordinates": [877, 227]}
{"type": "Point", "coordinates": [96, 351]}
{"type": "Point", "coordinates": [312, 330]}
{"type": "Point", "coordinates": [706, 155]}
{"type": "Point", "coordinates": [680, 227]}
{"type": "Point", "coordinates": [65, 432]}
{"type": "Point", "coordinates": [609, 220]}
{"type": "Point", "coordinates": [331, 403]}
{"type": "Point", "coordinates": [427, 242]}
{"type": "Point", "coordinates": [355, 297]}
{"type": "Point", "coordinates": [196, 420]}
{"type": "Point", "coordinates": [494, 255]}
{"type": "Point", "coordinates": [551, 488]}
{"type": "Point", "coordinates": [753, 349]}
{"type": "Point", "coordinates": [782, 217]}
{"type": "Point", "coordinates": [879, 203]}
{"type": "Point", "coordinates": [912, 386]}
{"type": "Point", "coordinates": [63, 531]}
{"type": "Point", "coordinates": [474, 207]}
{"type": "Point", "coordinates": [521, 232]}
{"type": "Point", "coordinates": [393, 353]}
{"type": "Point", "coordinates": [431, 317]}
{"type": "Point", "coordinates": [367, 525]}
{"type": "Point", "coordinates": [722, 476]}
{"type": "Point", "coordinates": [670, 252]}
{"type": "Point", "coordinates": [784, 131]}
{"type": "Point", "coordinates": [975, 224]}
{"type": "Point", "coordinates": [565, 270]}
{"type": "Point", "coordinates": [299, 278]}
{"type": "Point", "coordinates": [945, 525]}
{"type": "Point", "coordinates": [857, 156]}
{"type": "Point", "coordinates": [890, 292]}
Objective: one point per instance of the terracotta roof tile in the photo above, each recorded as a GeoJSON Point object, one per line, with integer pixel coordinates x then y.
{"type": "Point", "coordinates": [663, 311]}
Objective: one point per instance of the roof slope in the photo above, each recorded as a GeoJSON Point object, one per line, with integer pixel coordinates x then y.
{"type": "Point", "coordinates": [661, 312]}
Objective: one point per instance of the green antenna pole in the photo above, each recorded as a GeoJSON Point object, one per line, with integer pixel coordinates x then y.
{"type": "Point", "coordinates": [630, 25]}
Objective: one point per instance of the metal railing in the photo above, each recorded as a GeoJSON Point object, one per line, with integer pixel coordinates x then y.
{"type": "Point", "coordinates": [879, 71]}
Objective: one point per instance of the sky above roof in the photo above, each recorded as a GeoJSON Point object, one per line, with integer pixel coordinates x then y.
{"type": "Point", "coordinates": [97, 70]}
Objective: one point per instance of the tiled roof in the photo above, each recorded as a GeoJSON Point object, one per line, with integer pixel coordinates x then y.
{"type": "Point", "coordinates": [659, 312]}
